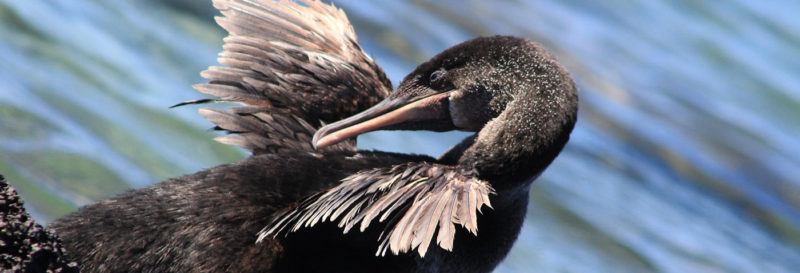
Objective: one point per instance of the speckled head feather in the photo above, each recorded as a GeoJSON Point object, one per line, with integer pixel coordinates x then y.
{"type": "Point", "coordinates": [522, 102]}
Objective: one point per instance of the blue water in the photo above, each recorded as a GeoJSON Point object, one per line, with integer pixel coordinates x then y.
{"type": "Point", "coordinates": [684, 159]}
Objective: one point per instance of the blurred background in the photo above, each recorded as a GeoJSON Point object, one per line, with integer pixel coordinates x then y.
{"type": "Point", "coordinates": [685, 157]}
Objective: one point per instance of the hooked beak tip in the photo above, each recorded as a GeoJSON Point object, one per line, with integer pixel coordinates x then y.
{"type": "Point", "coordinates": [315, 141]}
{"type": "Point", "coordinates": [317, 145]}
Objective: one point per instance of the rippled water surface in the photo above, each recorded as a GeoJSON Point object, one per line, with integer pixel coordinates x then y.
{"type": "Point", "coordinates": [685, 157]}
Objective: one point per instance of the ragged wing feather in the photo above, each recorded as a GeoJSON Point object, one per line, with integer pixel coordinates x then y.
{"type": "Point", "coordinates": [426, 198]}
{"type": "Point", "coordinates": [295, 66]}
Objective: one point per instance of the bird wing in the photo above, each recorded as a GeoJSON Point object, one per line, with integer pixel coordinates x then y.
{"type": "Point", "coordinates": [294, 67]}
{"type": "Point", "coordinates": [418, 198]}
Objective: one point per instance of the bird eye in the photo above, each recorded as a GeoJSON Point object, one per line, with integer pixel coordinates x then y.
{"type": "Point", "coordinates": [435, 75]}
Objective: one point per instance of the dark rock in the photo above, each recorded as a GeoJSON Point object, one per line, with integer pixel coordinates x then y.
{"type": "Point", "coordinates": [26, 246]}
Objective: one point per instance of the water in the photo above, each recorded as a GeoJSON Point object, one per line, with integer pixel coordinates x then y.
{"type": "Point", "coordinates": [684, 158]}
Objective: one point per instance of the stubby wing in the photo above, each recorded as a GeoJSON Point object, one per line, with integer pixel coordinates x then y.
{"type": "Point", "coordinates": [419, 198]}
{"type": "Point", "coordinates": [294, 66]}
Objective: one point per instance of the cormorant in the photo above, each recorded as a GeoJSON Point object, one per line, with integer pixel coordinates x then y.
{"type": "Point", "coordinates": [307, 200]}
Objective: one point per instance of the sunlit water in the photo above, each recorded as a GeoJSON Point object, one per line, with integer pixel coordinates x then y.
{"type": "Point", "coordinates": [685, 157]}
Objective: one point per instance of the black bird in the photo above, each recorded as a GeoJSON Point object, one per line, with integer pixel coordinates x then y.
{"type": "Point", "coordinates": [307, 200]}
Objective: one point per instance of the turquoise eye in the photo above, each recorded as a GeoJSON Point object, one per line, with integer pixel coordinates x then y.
{"type": "Point", "coordinates": [435, 75]}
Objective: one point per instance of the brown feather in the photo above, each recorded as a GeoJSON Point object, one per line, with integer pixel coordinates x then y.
{"type": "Point", "coordinates": [301, 63]}
{"type": "Point", "coordinates": [439, 196]}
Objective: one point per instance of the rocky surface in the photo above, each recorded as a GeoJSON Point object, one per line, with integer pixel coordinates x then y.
{"type": "Point", "coordinates": [26, 246]}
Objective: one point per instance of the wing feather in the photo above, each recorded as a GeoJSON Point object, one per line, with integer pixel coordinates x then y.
{"type": "Point", "coordinates": [447, 230]}
{"type": "Point", "coordinates": [299, 62]}
{"type": "Point", "coordinates": [425, 199]}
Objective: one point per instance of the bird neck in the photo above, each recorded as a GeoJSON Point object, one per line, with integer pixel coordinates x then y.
{"type": "Point", "coordinates": [514, 148]}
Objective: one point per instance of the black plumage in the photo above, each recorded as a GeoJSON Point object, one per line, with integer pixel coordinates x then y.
{"type": "Point", "coordinates": [313, 202]}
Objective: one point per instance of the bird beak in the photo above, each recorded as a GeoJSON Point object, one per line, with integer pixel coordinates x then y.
{"type": "Point", "coordinates": [409, 113]}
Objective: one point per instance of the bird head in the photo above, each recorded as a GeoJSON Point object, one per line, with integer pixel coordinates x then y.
{"type": "Point", "coordinates": [464, 88]}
